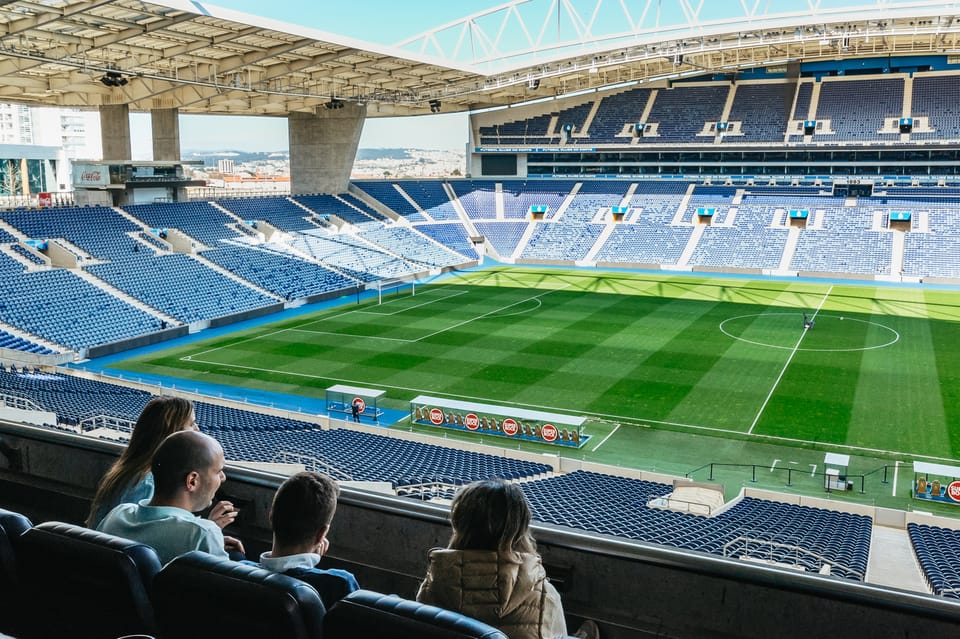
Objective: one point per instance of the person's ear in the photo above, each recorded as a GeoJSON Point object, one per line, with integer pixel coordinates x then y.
{"type": "Point", "coordinates": [192, 482]}
{"type": "Point", "coordinates": [320, 536]}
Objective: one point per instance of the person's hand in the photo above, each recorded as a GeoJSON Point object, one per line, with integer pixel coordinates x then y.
{"type": "Point", "coordinates": [223, 514]}
{"type": "Point", "coordinates": [232, 544]}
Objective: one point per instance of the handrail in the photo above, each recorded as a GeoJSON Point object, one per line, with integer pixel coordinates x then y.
{"type": "Point", "coordinates": [311, 462]}
{"type": "Point", "coordinates": [792, 547]}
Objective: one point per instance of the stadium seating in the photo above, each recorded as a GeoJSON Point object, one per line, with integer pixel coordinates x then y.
{"type": "Point", "coordinates": [83, 583]}
{"type": "Point", "coordinates": [198, 596]}
{"type": "Point", "coordinates": [761, 110]}
{"type": "Point", "coordinates": [20, 344]}
{"type": "Point", "coordinates": [937, 553]}
{"type": "Point", "coordinates": [618, 506]}
{"type": "Point", "coordinates": [503, 236]}
{"type": "Point", "coordinates": [98, 230]}
{"type": "Point", "coordinates": [283, 275]}
{"type": "Point", "coordinates": [12, 525]}
{"type": "Point", "coordinates": [180, 286]}
{"type": "Point", "coordinates": [407, 242]}
{"type": "Point", "coordinates": [278, 211]}
{"type": "Point", "coordinates": [200, 220]}
{"type": "Point", "coordinates": [856, 108]}
{"type": "Point", "coordinates": [376, 616]}
{"type": "Point", "coordinates": [561, 241]}
{"type": "Point", "coordinates": [346, 207]}
{"type": "Point", "coordinates": [936, 98]}
{"type": "Point", "coordinates": [73, 315]}
{"type": "Point", "coordinates": [845, 244]}
{"type": "Point", "coordinates": [478, 198]}
{"type": "Point", "coordinates": [451, 235]}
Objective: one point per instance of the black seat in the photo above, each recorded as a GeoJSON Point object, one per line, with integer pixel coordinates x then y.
{"type": "Point", "coordinates": [373, 615]}
{"type": "Point", "coordinates": [78, 582]}
{"type": "Point", "coordinates": [199, 595]}
{"type": "Point", "coordinates": [12, 525]}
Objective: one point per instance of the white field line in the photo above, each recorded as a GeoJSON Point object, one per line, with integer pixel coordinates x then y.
{"type": "Point", "coordinates": [409, 308]}
{"type": "Point", "coordinates": [496, 310]}
{"type": "Point", "coordinates": [300, 327]}
{"type": "Point", "coordinates": [604, 440]}
{"type": "Point", "coordinates": [786, 365]}
{"type": "Point", "coordinates": [606, 416]}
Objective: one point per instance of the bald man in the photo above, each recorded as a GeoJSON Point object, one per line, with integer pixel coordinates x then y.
{"type": "Point", "coordinates": [187, 472]}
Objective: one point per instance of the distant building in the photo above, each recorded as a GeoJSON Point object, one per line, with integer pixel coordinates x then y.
{"type": "Point", "coordinates": [226, 166]}
{"type": "Point", "coordinates": [38, 144]}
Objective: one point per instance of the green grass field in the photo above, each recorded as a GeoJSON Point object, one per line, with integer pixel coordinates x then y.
{"type": "Point", "coordinates": [672, 372]}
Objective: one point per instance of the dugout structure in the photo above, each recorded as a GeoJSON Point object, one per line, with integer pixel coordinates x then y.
{"type": "Point", "coordinates": [936, 482]}
{"type": "Point", "coordinates": [499, 421]}
{"type": "Point", "coordinates": [340, 398]}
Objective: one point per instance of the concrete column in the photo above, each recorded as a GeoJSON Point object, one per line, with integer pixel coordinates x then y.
{"type": "Point", "coordinates": [166, 134]}
{"type": "Point", "coordinates": [115, 131]}
{"type": "Point", "coordinates": [323, 146]}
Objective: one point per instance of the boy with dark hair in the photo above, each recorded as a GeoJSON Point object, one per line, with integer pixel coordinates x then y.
{"type": "Point", "coordinates": [300, 517]}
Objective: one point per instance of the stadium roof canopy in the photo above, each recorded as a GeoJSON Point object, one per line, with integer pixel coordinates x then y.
{"type": "Point", "coordinates": [205, 59]}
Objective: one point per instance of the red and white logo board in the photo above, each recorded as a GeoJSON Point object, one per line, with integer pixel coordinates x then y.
{"type": "Point", "coordinates": [550, 432]}
{"type": "Point", "coordinates": [360, 404]}
{"type": "Point", "coordinates": [436, 416]}
{"type": "Point", "coordinates": [510, 427]}
{"type": "Point", "coordinates": [953, 491]}
{"type": "Point", "coordinates": [471, 421]}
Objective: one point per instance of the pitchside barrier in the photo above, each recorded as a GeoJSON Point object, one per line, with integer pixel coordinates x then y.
{"type": "Point", "coordinates": [500, 421]}
{"type": "Point", "coordinates": [341, 398]}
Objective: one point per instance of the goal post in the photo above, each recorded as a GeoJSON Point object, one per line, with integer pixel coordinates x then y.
{"type": "Point", "coordinates": [395, 284]}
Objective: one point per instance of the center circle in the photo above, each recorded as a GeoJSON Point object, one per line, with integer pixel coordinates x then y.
{"type": "Point", "coordinates": [829, 333]}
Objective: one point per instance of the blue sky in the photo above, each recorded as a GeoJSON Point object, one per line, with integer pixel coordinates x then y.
{"type": "Point", "coordinates": [378, 21]}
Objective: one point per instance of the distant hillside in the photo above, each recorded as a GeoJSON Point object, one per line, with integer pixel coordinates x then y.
{"type": "Point", "coordinates": [383, 154]}
{"type": "Point", "coordinates": [210, 157]}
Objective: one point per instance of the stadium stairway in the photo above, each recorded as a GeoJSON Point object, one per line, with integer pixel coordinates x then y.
{"type": "Point", "coordinates": [684, 261]}
{"type": "Point", "coordinates": [524, 240]}
{"type": "Point", "coordinates": [892, 562]}
{"type": "Point", "coordinates": [379, 206]}
{"type": "Point", "coordinates": [461, 212]}
{"type": "Point", "coordinates": [589, 258]}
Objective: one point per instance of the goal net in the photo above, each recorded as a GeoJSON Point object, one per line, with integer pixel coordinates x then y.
{"type": "Point", "coordinates": [395, 286]}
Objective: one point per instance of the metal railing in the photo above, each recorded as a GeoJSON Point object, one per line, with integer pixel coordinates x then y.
{"type": "Point", "coordinates": [767, 550]}
{"type": "Point", "coordinates": [311, 461]}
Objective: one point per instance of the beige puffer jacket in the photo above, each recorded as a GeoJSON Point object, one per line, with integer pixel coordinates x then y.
{"type": "Point", "coordinates": [508, 590]}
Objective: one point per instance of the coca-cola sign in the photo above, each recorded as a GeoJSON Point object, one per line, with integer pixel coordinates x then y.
{"type": "Point", "coordinates": [91, 175]}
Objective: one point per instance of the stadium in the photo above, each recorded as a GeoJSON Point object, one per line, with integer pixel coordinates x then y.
{"type": "Point", "coordinates": [696, 294]}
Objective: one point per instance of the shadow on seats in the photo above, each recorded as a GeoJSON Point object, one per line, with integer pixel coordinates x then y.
{"type": "Point", "coordinates": [199, 595]}
{"type": "Point", "coordinates": [372, 615]}
{"type": "Point", "coordinates": [82, 583]}
{"type": "Point", "coordinates": [12, 525]}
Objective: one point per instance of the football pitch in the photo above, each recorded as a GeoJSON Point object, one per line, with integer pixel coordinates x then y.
{"type": "Point", "coordinates": [672, 372]}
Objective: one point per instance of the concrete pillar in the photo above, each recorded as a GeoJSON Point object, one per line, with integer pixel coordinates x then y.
{"type": "Point", "coordinates": [115, 131]}
{"type": "Point", "coordinates": [166, 134]}
{"type": "Point", "coordinates": [323, 146]}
